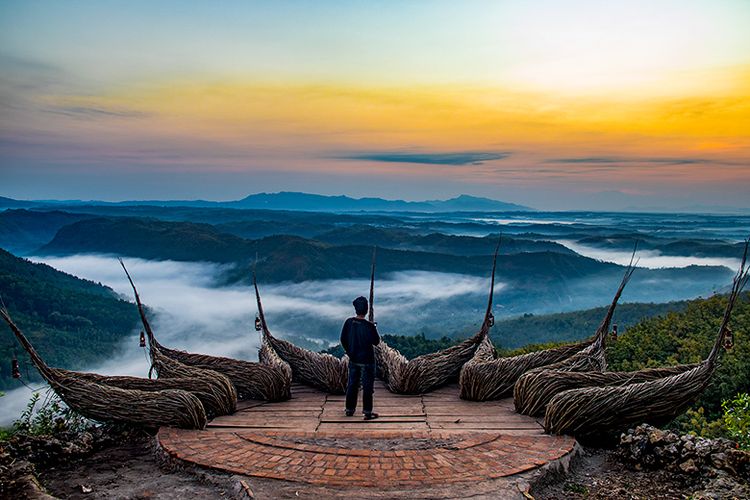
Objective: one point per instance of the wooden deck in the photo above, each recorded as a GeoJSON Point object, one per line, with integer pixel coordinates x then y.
{"type": "Point", "coordinates": [434, 445]}
{"type": "Point", "coordinates": [441, 410]}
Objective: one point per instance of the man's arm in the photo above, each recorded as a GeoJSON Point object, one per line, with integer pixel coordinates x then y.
{"type": "Point", "coordinates": [345, 336]}
{"type": "Point", "coordinates": [375, 335]}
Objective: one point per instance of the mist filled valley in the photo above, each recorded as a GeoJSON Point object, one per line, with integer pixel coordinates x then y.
{"type": "Point", "coordinates": [193, 268]}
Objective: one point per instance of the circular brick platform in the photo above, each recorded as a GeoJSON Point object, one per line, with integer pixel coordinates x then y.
{"type": "Point", "coordinates": [431, 439]}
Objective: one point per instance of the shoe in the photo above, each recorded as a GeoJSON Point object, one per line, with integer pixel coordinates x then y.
{"type": "Point", "coordinates": [371, 416]}
{"type": "Point", "coordinates": [349, 413]}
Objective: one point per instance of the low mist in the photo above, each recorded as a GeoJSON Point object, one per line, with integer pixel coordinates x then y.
{"type": "Point", "coordinates": [651, 259]}
{"type": "Point", "coordinates": [188, 310]}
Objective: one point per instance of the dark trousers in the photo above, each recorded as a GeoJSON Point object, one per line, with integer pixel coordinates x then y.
{"type": "Point", "coordinates": [365, 373]}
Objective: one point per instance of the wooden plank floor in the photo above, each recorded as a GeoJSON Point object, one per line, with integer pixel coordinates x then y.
{"type": "Point", "coordinates": [441, 410]}
{"type": "Point", "coordinates": [433, 445]}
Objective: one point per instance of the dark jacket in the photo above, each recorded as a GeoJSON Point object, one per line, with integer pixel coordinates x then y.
{"type": "Point", "coordinates": [357, 337]}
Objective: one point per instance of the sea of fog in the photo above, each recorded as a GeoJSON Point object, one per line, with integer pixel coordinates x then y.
{"type": "Point", "coordinates": [189, 311]}
{"type": "Point", "coordinates": [694, 226]}
{"type": "Point", "coordinates": [650, 259]}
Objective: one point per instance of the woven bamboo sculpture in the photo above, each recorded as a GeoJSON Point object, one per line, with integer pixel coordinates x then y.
{"type": "Point", "coordinates": [320, 370]}
{"type": "Point", "coordinates": [167, 367]}
{"type": "Point", "coordinates": [534, 389]}
{"type": "Point", "coordinates": [130, 400]}
{"type": "Point", "coordinates": [613, 401]}
{"type": "Point", "coordinates": [427, 372]}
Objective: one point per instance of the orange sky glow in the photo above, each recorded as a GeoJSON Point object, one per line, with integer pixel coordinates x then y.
{"type": "Point", "coordinates": [580, 108]}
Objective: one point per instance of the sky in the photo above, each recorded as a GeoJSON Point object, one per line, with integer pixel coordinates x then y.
{"type": "Point", "coordinates": [558, 105]}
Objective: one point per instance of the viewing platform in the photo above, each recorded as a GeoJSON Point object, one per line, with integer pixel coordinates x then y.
{"type": "Point", "coordinates": [434, 442]}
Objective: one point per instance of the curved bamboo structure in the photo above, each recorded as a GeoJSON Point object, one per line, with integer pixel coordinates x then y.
{"type": "Point", "coordinates": [532, 391]}
{"type": "Point", "coordinates": [128, 400]}
{"type": "Point", "coordinates": [225, 394]}
{"type": "Point", "coordinates": [594, 411]}
{"type": "Point", "coordinates": [251, 380]}
{"type": "Point", "coordinates": [430, 371]}
{"type": "Point", "coordinates": [320, 370]}
{"type": "Point", "coordinates": [484, 377]}
{"type": "Point", "coordinates": [267, 354]}
{"type": "Point", "coordinates": [204, 390]}
{"type": "Point", "coordinates": [559, 380]}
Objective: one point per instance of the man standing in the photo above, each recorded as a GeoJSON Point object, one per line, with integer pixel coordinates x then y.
{"type": "Point", "coordinates": [358, 336]}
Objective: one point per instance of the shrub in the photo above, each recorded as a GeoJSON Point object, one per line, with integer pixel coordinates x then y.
{"type": "Point", "coordinates": [696, 423]}
{"type": "Point", "coordinates": [51, 417]}
{"type": "Point", "coordinates": [736, 419]}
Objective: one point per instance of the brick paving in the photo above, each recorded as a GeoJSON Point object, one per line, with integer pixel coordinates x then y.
{"type": "Point", "coordinates": [474, 442]}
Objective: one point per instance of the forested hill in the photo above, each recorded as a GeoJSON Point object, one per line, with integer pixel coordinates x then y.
{"type": "Point", "coordinates": [528, 329]}
{"type": "Point", "coordinates": [291, 258]}
{"type": "Point", "coordinates": [73, 323]}
{"type": "Point", "coordinates": [677, 333]}
{"type": "Point", "coordinates": [687, 337]}
{"type": "Point", "coordinates": [537, 276]}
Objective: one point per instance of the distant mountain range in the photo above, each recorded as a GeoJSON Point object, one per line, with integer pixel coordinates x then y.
{"type": "Point", "coordinates": [305, 201]}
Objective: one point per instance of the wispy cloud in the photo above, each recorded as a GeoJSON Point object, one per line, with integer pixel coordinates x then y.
{"type": "Point", "coordinates": [598, 160]}
{"type": "Point", "coordinates": [455, 158]}
{"type": "Point", "coordinates": [89, 112]}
